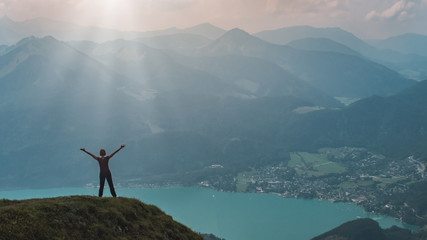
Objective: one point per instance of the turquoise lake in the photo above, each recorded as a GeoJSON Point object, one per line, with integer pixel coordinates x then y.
{"type": "Point", "coordinates": [233, 216]}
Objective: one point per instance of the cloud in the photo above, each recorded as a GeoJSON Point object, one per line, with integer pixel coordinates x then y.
{"type": "Point", "coordinates": [400, 10]}
{"type": "Point", "coordinates": [250, 15]}
{"type": "Point", "coordinates": [305, 6]}
{"type": "Point", "coordinates": [394, 10]}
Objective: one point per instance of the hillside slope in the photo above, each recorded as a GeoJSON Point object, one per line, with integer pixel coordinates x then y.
{"type": "Point", "coordinates": [368, 229]}
{"type": "Point", "coordinates": [336, 74]}
{"type": "Point", "coordinates": [288, 34]}
{"type": "Point", "coordinates": [393, 125]}
{"type": "Point", "coordinates": [86, 217]}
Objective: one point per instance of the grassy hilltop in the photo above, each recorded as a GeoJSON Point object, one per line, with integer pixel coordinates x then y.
{"type": "Point", "coordinates": [86, 217]}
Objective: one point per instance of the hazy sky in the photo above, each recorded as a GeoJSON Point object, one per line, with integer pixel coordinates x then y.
{"type": "Point", "coordinates": [365, 18]}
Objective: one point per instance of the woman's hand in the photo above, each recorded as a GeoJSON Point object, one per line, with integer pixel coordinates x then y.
{"type": "Point", "coordinates": [122, 146]}
{"type": "Point", "coordinates": [84, 150]}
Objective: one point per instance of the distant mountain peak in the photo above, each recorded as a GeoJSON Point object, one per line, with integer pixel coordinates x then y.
{"type": "Point", "coordinates": [6, 19]}
{"type": "Point", "coordinates": [238, 30]}
{"type": "Point", "coordinates": [288, 34]}
{"type": "Point", "coordinates": [236, 41]}
{"type": "Point", "coordinates": [36, 39]}
{"type": "Point", "coordinates": [205, 29]}
{"type": "Point", "coordinates": [236, 34]}
{"type": "Point", "coordinates": [44, 46]}
{"type": "Point", "coordinates": [204, 25]}
{"type": "Point", "coordinates": [236, 37]}
{"type": "Point", "coordinates": [408, 43]}
{"type": "Point", "coordinates": [26, 40]}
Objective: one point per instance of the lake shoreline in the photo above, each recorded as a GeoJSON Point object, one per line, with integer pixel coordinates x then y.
{"type": "Point", "coordinates": [176, 185]}
{"type": "Point", "coordinates": [230, 215]}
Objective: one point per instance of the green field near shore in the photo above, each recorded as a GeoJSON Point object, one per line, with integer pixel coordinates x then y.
{"type": "Point", "coordinates": [315, 164]}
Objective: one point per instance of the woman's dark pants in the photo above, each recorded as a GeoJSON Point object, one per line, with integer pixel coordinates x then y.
{"type": "Point", "coordinates": [102, 177]}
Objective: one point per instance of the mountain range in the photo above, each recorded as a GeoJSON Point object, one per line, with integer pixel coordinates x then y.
{"type": "Point", "coordinates": [285, 36]}
{"type": "Point", "coordinates": [322, 44]}
{"type": "Point", "coordinates": [11, 31]}
{"type": "Point", "coordinates": [409, 43]}
{"type": "Point", "coordinates": [183, 102]}
{"type": "Point", "coordinates": [56, 99]}
{"type": "Point", "coordinates": [403, 53]}
{"type": "Point", "coordinates": [337, 74]}
{"type": "Point", "coordinates": [393, 125]}
{"type": "Point", "coordinates": [202, 102]}
{"type": "Point", "coordinates": [52, 95]}
{"type": "Point", "coordinates": [393, 52]}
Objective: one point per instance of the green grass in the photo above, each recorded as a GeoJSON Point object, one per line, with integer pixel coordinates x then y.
{"type": "Point", "coordinates": [314, 173]}
{"type": "Point", "coordinates": [314, 158]}
{"type": "Point", "coordinates": [242, 183]}
{"type": "Point", "coordinates": [347, 185]}
{"type": "Point", "coordinates": [243, 180]}
{"type": "Point", "coordinates": [331, 167]}
{"type": "Point", "coordinates": [85, 217]}
{"type": "Point", "coordinates": [295, 161]}
{"type": "Point", "coordinates": [365, 183]}
{"type": "Point", "coordinates": [390, 180]}
{"type": "Point", "coordinates": [386, 181]}
{"type": "Point", "coordinates": [314, 164]}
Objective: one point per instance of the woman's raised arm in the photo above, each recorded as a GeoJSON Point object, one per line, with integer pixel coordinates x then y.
{"type": "Point", "coordinates": [92, 155]}
{"type": "Point", "coordinates": [120, 148]}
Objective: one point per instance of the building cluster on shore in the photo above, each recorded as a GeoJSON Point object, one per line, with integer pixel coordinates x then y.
{"type": "Point", "coordinates": [370, 181]}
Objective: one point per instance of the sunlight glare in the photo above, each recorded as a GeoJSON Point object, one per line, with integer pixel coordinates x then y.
{"type": "Point", "coordinates": [114, 14]}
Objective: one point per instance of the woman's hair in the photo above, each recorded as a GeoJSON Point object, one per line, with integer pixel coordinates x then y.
{"type": "Point", "coordinates": [102, 152]}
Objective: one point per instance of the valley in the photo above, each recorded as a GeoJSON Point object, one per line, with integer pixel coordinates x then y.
{"type": "Point", "coordinates": [346, 174]}
{"type": "Point", "coordinates": [229, 110]}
